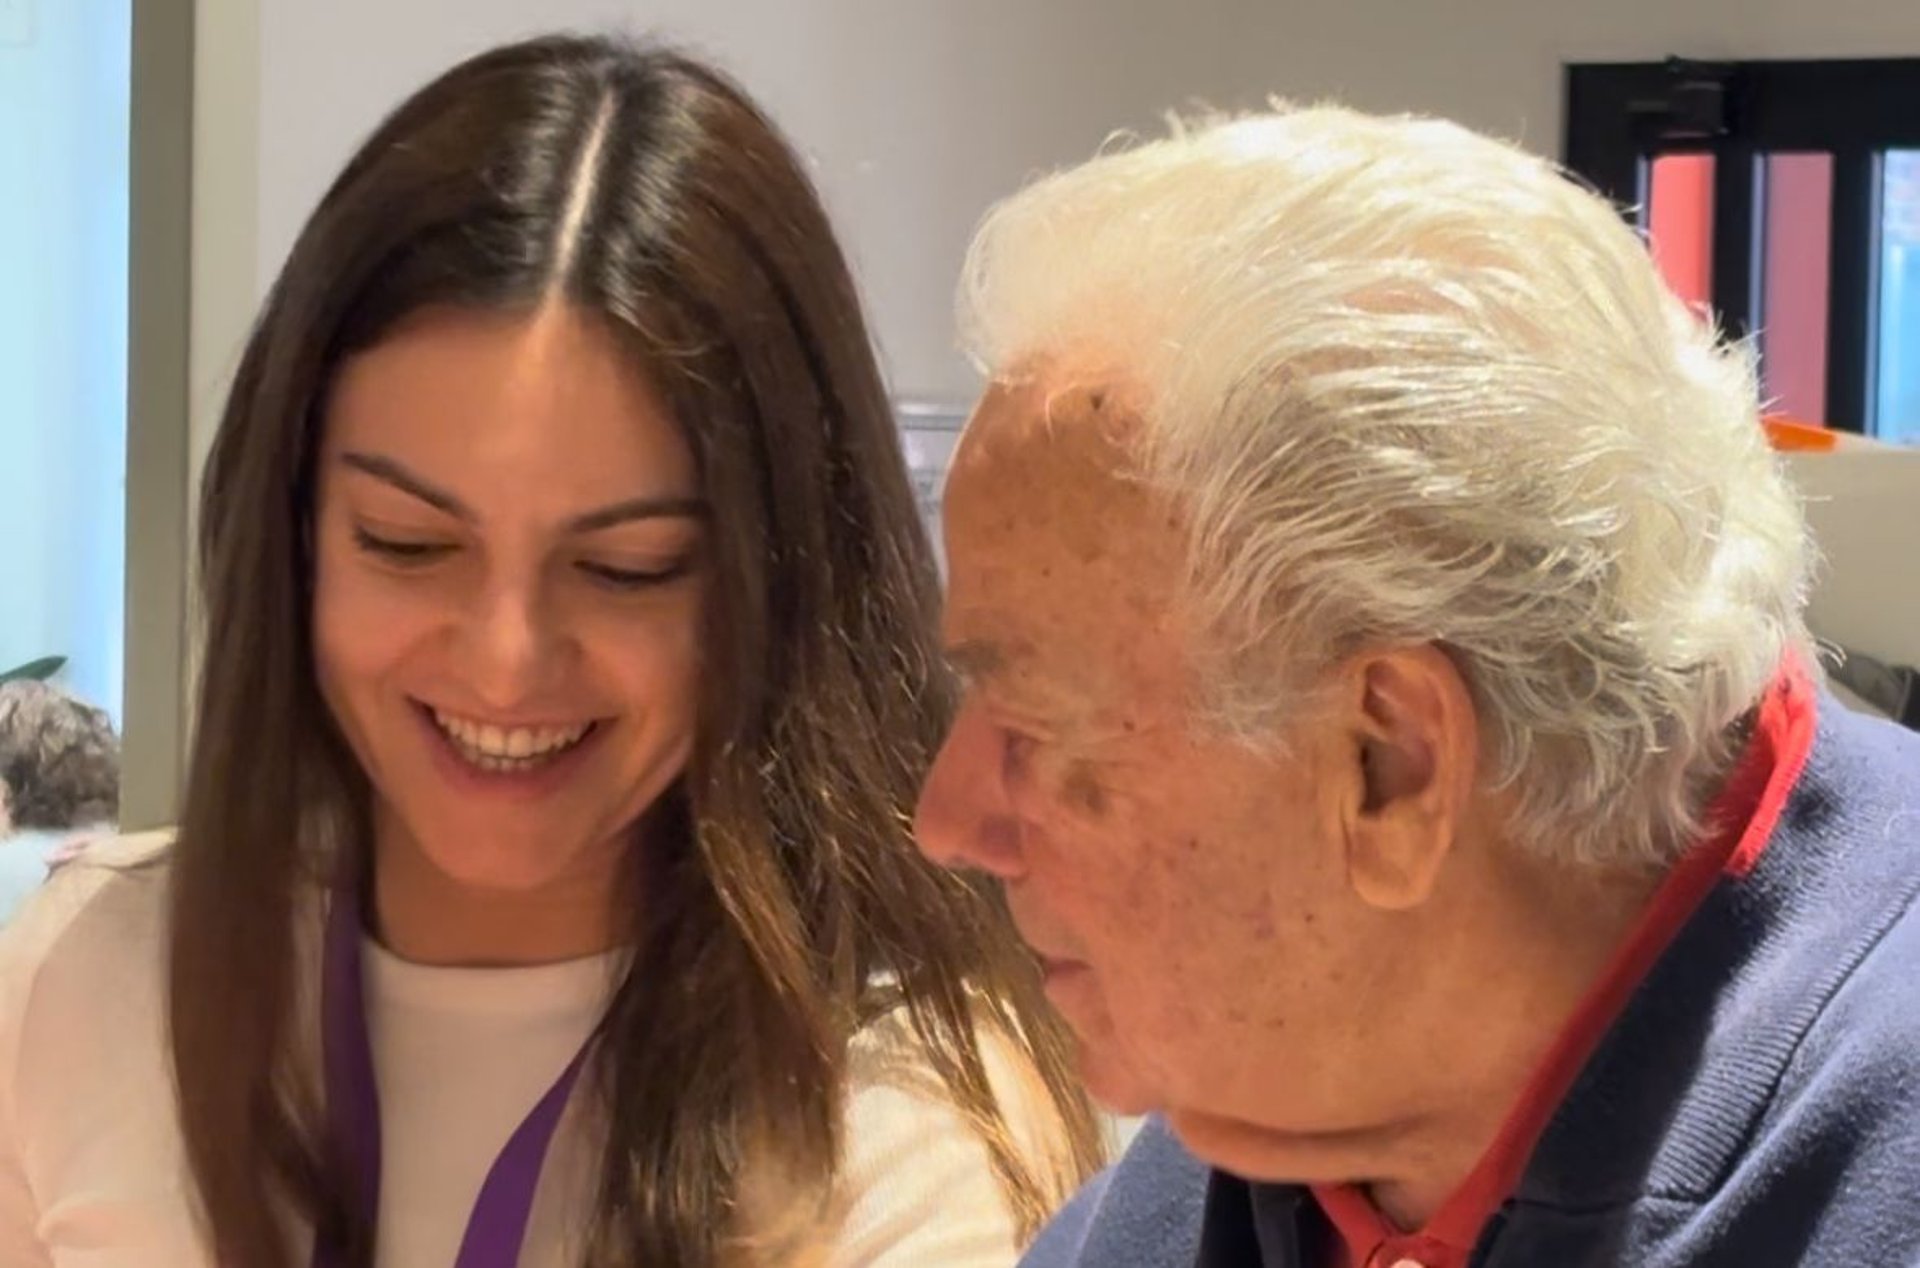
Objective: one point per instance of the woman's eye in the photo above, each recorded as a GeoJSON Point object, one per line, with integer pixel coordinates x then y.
{"type": "Point", "coordinates": [631, 578]}
{"type": "Point", "coordinates": [400, 550]}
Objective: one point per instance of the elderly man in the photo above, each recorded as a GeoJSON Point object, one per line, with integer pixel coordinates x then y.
{"type": "Point", "coordinates": [1390, 714]}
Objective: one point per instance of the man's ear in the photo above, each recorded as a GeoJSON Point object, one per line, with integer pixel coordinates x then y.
{"type": "Point", "coordinates": [1415, 747]}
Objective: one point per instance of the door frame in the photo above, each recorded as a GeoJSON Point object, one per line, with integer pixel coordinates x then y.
{"type": "Point", "coordinates": [1619, 115]}
{"type": "Point", "coordinates": [160, 224]}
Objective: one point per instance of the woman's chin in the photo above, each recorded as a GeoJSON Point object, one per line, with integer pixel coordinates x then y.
{"type": "Point", "coordinates": [510, 866]}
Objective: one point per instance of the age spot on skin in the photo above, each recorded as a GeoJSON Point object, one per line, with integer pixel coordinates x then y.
{"type": "Point", "coordinates": [1084, 791]}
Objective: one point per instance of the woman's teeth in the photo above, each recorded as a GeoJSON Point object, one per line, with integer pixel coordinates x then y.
{"type": "Point", "coordinates": [504, 749]}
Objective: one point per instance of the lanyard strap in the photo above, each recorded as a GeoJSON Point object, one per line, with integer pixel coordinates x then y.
{"type": "Point", "coordinates": [498, 1224]}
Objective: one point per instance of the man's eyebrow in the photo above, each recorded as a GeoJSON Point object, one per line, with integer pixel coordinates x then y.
{"type": "Point", "coordinates": [976, 658]}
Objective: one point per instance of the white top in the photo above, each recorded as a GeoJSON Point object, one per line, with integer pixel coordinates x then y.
{"type": "Point", "coordinates": [92, 1173]}
{"type": "Point", "coordinates": [24, 855]}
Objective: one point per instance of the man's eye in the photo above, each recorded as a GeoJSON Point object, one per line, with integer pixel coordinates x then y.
{"type": "Point", "coordinates": [1018, 754]}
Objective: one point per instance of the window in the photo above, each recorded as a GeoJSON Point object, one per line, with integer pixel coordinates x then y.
{"type": "Point", "coordinates": [1897, 388]}
{"type": "Point", "coordinates": [96, 121]}
{"type": "Point", "coordinates": [64, 117]}
{"type": "Point", "coordinates": [1785, 197]}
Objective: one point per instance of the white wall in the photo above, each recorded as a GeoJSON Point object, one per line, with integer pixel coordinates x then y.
{"type": "Point", "coordinates": [914, 114]}
{"type": "Point", "coordinates": [63, 339]}
{"type": "Point", "coordinates": [1863, 503]}
{"type": "Point", "coordinates": [917, 113]}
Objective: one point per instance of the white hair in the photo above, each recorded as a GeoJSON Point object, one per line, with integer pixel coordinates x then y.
{"type": "Point", "coordinates": [1413, 385]}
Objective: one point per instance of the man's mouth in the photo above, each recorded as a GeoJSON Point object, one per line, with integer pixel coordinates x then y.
{"type": "Point", "coordinates": [509, 750]}
{"type": "Point", "coordinates": [1052, 966]}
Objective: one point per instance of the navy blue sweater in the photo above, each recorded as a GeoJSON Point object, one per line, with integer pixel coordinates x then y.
{"type": "Point", "coordinates": [1757, 1102]}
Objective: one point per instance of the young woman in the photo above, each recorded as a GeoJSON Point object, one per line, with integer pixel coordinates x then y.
{"type": "Point", "coordinates": [542, 894]}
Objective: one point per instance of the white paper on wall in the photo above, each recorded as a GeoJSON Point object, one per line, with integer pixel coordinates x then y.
{"type": "Point", "coordinates": [929, 430]}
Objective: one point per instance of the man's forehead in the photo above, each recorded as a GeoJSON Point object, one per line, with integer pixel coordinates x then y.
{"type": "Point", "coordinates": [1079, 425]}
{"type": "Point", "coordinates": [1046, 476]}
{"type": "Point", "coordinates": [1060, 560]}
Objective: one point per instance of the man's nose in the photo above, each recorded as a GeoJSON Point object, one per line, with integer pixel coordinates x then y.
{"type": "Point", "coordinates": [965, 818]}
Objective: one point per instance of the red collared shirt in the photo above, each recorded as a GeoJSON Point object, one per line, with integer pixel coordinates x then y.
{"type": "Point", "coordinates": [1746, 812]}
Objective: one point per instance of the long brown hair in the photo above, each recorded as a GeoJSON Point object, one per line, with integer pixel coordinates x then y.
{"type": "Point", "coordinates": [785, 906]}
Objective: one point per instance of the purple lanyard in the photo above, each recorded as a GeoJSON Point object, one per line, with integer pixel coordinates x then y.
{"type": "Point", "coordinates": [498, 1224]}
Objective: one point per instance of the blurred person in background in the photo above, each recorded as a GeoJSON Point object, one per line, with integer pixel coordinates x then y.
{"type": "Point", "coordinates": [59, 782]}
{"type": "Point", "coordinates": [59, 759]}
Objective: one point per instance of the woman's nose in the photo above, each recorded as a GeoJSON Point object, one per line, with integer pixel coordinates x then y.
{"type": "Point", "coordinates": [513, 639]}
